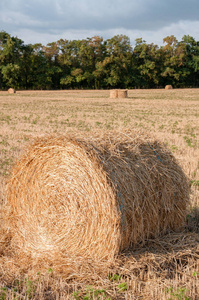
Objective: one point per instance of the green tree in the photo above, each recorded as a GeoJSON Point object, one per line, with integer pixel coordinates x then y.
{"type": "Point", "coordinates": [173, 70]}
{"type": "Point", "coordinates": [146, 63]}
{"type": "Point", "coordinates": [69, 62]}
{"type": "Point", "coordinates": [191, 60]}
{"type": "Point", "coordinates": [53, 70]}
{"type": "Point", "coordinates": [78, 60]}
{"type": "Point", "coordinates": [39, 77]}
{"type": "Point", "coordinates": [95, 63]}
{"type": "Point", "coordinates": [10, 56]}
{"type": "Point", "coordinates": [113, 71]}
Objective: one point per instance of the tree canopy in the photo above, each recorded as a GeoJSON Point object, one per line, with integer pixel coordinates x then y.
{"type": "Point", "coordinates": [94, 63]}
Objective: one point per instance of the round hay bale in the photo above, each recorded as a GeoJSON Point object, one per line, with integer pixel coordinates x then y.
{"type": "Point", "coordinates": [168, 87]}
{"type": "Point", "coordinates": [113, 93]}
{"type": "Point", "coordinates": [11, 91]}
{"type": "Point", "coordinates": [122, 93]}
{"type": "Point", "coordinates": [94, 197]}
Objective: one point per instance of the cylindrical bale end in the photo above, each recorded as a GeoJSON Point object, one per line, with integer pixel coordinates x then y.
{"type": "Point", "coordinates": [168, 87]}
{"type": "Point", "coordinates": [11, 91]}
{"type": "Point", "coordinates": [113, 94]}
{"type": "Point", "coordinates": [122, 93]}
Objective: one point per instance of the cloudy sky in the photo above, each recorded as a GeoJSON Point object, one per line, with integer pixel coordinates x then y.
{"type": "Point", "coordinates": [44, 21]}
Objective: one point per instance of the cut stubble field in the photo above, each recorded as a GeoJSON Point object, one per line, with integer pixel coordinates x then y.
{"type": "Point", "coordinates": [165, 268]}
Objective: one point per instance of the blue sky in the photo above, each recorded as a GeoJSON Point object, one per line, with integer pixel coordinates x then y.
{"type": "Point", "coordinates": [49, 20]}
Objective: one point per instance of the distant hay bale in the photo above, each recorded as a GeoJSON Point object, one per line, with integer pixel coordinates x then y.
{"type": "Point", "coordinates": [118, 93]}
{"type": "Point", "coordinates": [113, 93]}
{"type": "Point", "coordinates": [11, 91]}
{"type": "Point", "coordinates": [122, 93]}
{"type": "Point", "coordinates": [95, 196]}
{"type": "Point", "coordinates": [168, 87]}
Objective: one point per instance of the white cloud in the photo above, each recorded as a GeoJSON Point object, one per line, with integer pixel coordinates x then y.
{"type": "Point", "coordinates": [16, 19]}
{"type": "Point", "coordinates": [177, 29]}
{"type": "Point", "coordinates": [49, 20]}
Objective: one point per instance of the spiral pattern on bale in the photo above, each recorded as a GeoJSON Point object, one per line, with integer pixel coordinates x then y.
{"type": "Point", "coordinates": [94, 196]}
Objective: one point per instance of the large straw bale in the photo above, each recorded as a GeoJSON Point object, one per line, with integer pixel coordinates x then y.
{"type": "Point", "coordinates": [94, 196]}
{"type": "Point", "coordinates": [168, 87]}
{"type": "Point", "coordinates": [118, 93]}
{"type": "Point", "coordinates": [113, 94]}
{"type": "Point", "coordinates": [122, 93]}
{"type": "Point", "coordinates": [11, 91]}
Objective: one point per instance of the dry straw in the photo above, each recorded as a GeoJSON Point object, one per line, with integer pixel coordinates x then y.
{"type": "Point", "coordinates": [122, 93]}
{"type": "Point", "coordinates": [11, 91]}
{"type": "Point", "coordinates": [168, 87]}
{"type": "Point", "coordinates": [113, 93]}
{"type": "Point", "coordinates": [94, 196]}
{"type": "Point", "coordinates": [119, 93]}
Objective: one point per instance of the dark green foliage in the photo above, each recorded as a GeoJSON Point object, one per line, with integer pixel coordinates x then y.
{"type": "Point", "coordinates": [93, 63]}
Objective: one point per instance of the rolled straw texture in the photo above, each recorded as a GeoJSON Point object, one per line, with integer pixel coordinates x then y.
{"type": "Point", "coordinates": [11, 91]}
{"type": "Point", "coordinates": [122, 93]}
{"type": "Point", "coordinates": [94, 196]}
{"type": "Point", "coordinates": [113, 93]}
{"type": "Point", "coordinates": [168, 87]}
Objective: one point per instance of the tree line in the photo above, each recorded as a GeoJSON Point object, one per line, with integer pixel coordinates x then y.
{"type": "Point", "coordinates": [95, 63]}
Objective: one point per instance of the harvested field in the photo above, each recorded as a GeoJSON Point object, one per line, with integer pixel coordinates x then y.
{"type": "Point", "coordinates": [166, 267]}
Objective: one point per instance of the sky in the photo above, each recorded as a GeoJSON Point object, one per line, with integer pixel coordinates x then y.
{"type": "Point", "coordinates": [46, 21]}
